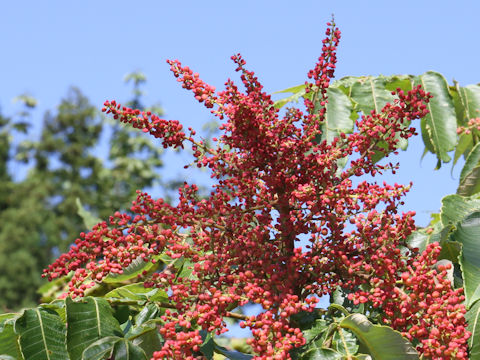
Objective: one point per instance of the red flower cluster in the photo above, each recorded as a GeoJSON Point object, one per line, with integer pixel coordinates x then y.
{"type": "Point", "coordinates": [435, 311]}
{"type": "Point", "coordinates": [276, 183]}
{"type": "Point", "coordinates": [422, 305]}
{"type": "Point", "coordinates": [169, 131]}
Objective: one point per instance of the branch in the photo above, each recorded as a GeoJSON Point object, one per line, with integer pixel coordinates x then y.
{"type": "Point", "coordinates": [167, 305]}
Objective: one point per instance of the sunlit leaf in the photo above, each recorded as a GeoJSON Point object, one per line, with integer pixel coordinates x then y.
{"type": "Point", "coordinates": [150, 311]}
{"type": "Point", "coordinates": [464, 146]}
{"type": "Point", "coordinates": [147, 338]}
{"type": "Point", "coordinates": [42, 335]}
{"type": "Point", "coordinates": [473, 319]}
{"type": "Point", "coordinates": [132, 271]}
{"type": "Point", "coordinates": [468, 234]}
{"type": "Point", "coordinates": [456, 207]}
{"type": "Point", "coordinates": [345, 342]}
{"type": "Point", "coordinates": [8, 342]}
{"type": "Point", "coordinates": [88, 218]}
{"type": "Point", "coordinates": [371, 94]}
{"type": "Point", "coordinates": [116, 348]}
{"type": "Point", "coordinates": [208, 346]}
{"type": "Point", "coordinates": [470, 175]}
{"type": "Point", "coordinates": [470, 97]}
{"type": "Point", "coordinates": [231, 354]}
{"type": "Point", "coordinates": [439, 126]}
{"type": "Point", "coordinates": [297, 91]}
{"type": "Point", "coordinates": [89, 320]}
{"type": "Point", "coordinates": [382, 342]}
{"type": "Point", "coordinates": [339, 117]}
{"type": "Point", "coordinates": [138, 291]}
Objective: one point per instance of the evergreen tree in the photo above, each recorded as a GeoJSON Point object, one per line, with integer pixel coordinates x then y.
{"type": "Point", "coordinates": [73, 159]}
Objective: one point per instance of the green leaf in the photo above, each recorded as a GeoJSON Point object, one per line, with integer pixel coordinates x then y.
{"type": "Point", "coordinates": [468, 234]}
{"type": "Point", "coordinates": [464, 146]}
{"type": "Point", "coordinates": [450, 249]}
{"type": "Point", "coordinates": [8, 318]}
{"type": "Point", "coordinates": [465, 141]}
{"type": "Point", "coordinates": [208, 346]}
{"type": "Point", "coordinates": [362, 357]}
{"type": "Point", "coordinates": [345, 342]}
{"type": "Point", "coordinates": [418, 239]}
{"type": "Point", "coordinates": [340, 116]}
{"type": "Point", "coordinates": [125, 350]}
{"type": "Point", "coordinates": [100, 349]}
{"type": "Point", "coordinates": [455, 208]}
{"type": "Point", "coordinates": [186, 269]}
{"type": "Point", "coordinates": [58, 306]}
{"type": "Point", "coordinates": [370, 93]}
{"type": "Point", "coordinates": [346, 83]}
{"type": "Point", "coordinates": [8, 342]}
{"type": "Point", "coordinates": [138, 330]}
{"type": "Point", "coordinates": [297, 91]}
{"type": "Point", "coordinates": [470, 164]}
{"type": "Point", "coordinates": [149, 312]}
{"type": "Point", "coordinates": [231, 354]}
{"type": "Point", "coordinates": [338, 296]}
{"type": "Point", "coordinates": [21, 126]}
{"type": "Point", "coordinates": [318, 328]}
{"type": "Point", "coordinates": [27, 100]}
{"type": "Point", "coordinates": [8, 357]}
{"type": "Point", "coordinates": [383, 342]}
{"type": "Point", "coordinates": [320, 354]}
{"type": "Point", "coordinates": [132, 271]}
{"type": "Point", "coordinates": [121, 312]}
{"type": "Point", "coordinates": [339, 308]}
{"type": "Point", "coordinates": [404, 82]}
{"type": "Point", "coordinates": [42, 335]}
{"type": "Point", "coordinates": [306, 319]}
{"type": "Point", "coordinates": [89, 320]}
{"type": "Point", "coordinates": [148, 338]}
{"type": "Point", "coordinates": [457, 102]}
{"type": "Point", "coordinates": [115, 347]}
{"type": "Point", "coordinates": [439, 126]}
{"type": "Point", "coordinates": [470, 97]}
{"type": "Point", "coordinates": [473, 319]}
{"type": "Point", "coordinates": [470, 175]}
{"type": "Point", "coordinates": [138, 292]}
{"type": "Point", "coordinates": [293, 90]}
{"type": "Point", "coordinates": [88, 218]}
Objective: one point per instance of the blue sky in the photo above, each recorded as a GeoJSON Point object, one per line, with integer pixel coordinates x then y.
{"type": "Point", "coordinates": [49, 45]}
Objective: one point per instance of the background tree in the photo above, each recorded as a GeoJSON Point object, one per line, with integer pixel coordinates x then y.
{"type": "Point", "coordinates": [79, 156]}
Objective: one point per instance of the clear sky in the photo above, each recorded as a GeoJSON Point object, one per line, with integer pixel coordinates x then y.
{"type": "Point", "coordinates": [49, 45]}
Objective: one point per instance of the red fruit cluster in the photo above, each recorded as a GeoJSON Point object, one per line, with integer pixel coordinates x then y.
{"type": "Point", "coordinates": [430, 311]}
{"type": "Point", "coordinates": [276, 182]}
{"type": "Point", "coordinates": [169, 131]}
{"type": "Point", "coordinates": [191, 81]}
{"type": "Point", "coordinates": [422, 305]}
{"type": "Point", "coordinates": [322, 73]}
